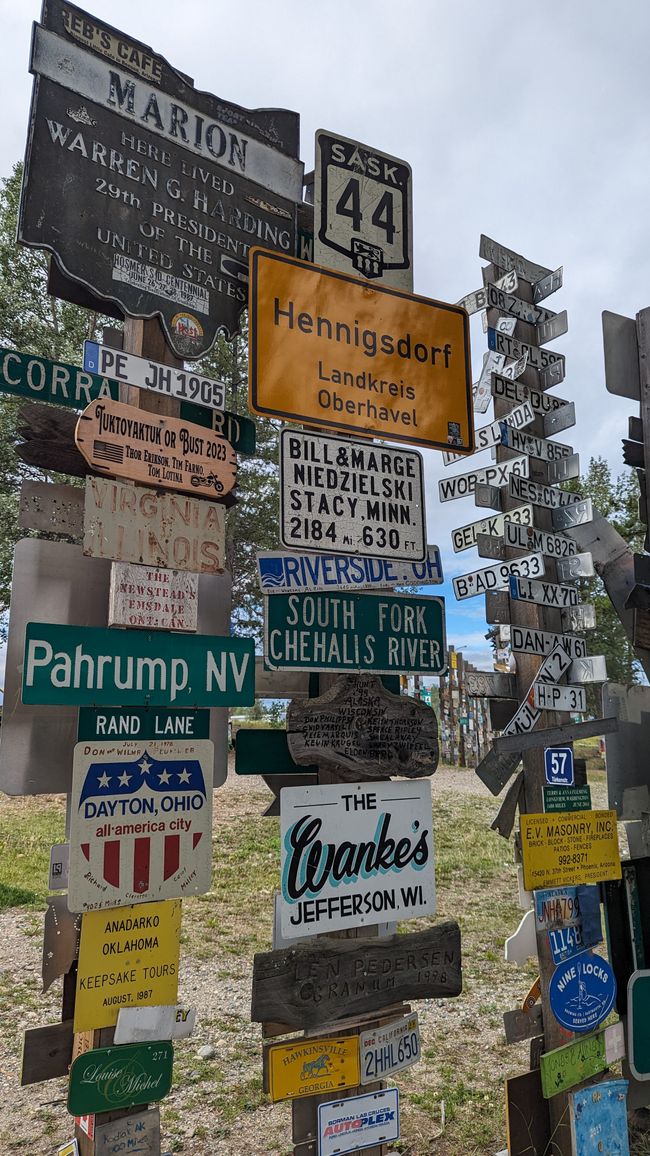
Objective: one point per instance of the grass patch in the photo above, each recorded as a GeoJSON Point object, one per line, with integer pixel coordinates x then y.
{"type": "Point", "coordinates": [26, 836]}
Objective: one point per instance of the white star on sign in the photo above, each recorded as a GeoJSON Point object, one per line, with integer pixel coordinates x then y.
{"type": "Point", "coordinates": [124, 779]}
{"type": "Point", "coordinates": [184, 776]}
{"type": "Point", "coordinates": [104, 780]}
{"type": "Point", "coordinates": [144, 765]}
{"type": "Point", "coordinates": [164, 776]}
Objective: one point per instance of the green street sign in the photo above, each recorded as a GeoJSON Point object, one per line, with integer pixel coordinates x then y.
{"type": "Point", "coordinates": [238, 430]}
{"type": "Point", "coordinates": [265, 751]}
{"type": "Point", "coordinates": [385, 633]}
{"type": "Point", "coordinates": [141, 723]}
{"type": "Point", "coordinates": [567, 798]}
{"type": "Point", "coordinates": [26, 375]}
{"type": "Point", "coordinates": [93, 666]}
{"type": "Point", "coordinates": [586, 1056]}
{"type": "Point", "coordinates": [105, 1079]}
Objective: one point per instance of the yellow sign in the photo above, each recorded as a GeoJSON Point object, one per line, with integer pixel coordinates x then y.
{"type": "Point", "coordinates": [331, 350]}
{"type": "Point", "coordinates": [567, 847]}
{"type": "Point", "coordinates": [128, 957]}
{"type": "Point", "coordinates": [309, 1067]}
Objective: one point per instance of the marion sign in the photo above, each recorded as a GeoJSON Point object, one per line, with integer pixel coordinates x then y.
{"type": "Point", "coordinates": [317, 356]}
{"type": "Point", "coordinates": [163, 451]}
{"type": "Point", "coordinates": [140, 822]}
{"type": "Point", "coordinates": [93, 666]}
{"type": "Point", "coordinates": [350, 852]}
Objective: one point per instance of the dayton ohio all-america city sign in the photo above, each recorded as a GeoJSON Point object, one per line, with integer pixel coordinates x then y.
{"type": "Point", "coordinates": [148, 191]}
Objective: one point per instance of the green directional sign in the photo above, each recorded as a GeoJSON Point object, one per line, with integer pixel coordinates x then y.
{"type": "Point", "coordinates": [265, 751]}
{"type": "Point", "coordinates": [26, 375]}
{"type": "Point", "coordinates": [105, 1079]}
{"type": "Point", "coordinates": [567, 798]}
{"type": "Point", "coordinates": [141, 723]}
{"type": "Point", "coordinates": [385, 633]}
{"type": "Point", "coordinates": [569, 1065]}
{"type": "Point", "coordinates": [93, 666]}
{"type": "Point", "coordinates": [238, 430]}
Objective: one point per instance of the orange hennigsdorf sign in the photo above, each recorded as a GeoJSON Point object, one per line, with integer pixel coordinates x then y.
{"type": "Point", "coordinates": [332, 350]}
{"type": "Point", "coordinates": [164, 452]}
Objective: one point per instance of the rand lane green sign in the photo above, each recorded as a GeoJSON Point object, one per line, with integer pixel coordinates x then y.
{"type": "Point", "coordinates": [105, 1079]}
{"type": "Point", "coordinates": [141, 722]}
{"type": "Point", "coordinates": [26, 375]}
{"type": "Point", "coordinates": [94, 666]}
{"type": "Point", "coordinates": [388, 634]}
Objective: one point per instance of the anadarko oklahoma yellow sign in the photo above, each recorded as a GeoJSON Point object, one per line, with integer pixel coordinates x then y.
{"type": "Point", "coordinates": [128, 957]}
{"type": "Point", "coordinates": [329, 349]}
{"type": "Point", "coordinates": [309, 1067]}
{"type": "Point", "coordinates": [565, 847]}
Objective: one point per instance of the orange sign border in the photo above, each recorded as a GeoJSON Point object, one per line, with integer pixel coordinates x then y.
{"type": "Point", "coordinates": [312, 420]}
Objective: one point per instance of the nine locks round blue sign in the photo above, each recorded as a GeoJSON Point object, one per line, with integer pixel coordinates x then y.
{"type": "Point", "coordinates": [582, 992]}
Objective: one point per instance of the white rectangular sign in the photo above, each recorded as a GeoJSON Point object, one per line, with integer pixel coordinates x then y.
{"type": "Point", "coordinates": [462, 485]}
{"type": "Point", "coordinates": [498, 576]}
{"type": "Point", "coordinates": [538, 358]}
{"type": "Point", "coordinates": [137, 1025]}
{"type": "Point", "coordinates": [492, 434]}
{"type": "Point", "coordinates": [283, 572]}
{"type": "Point", "coordinates": [358, 1122]}
{"type": "Point", "coordinates": [351, 497]}
{"type": "Point", "coordinates": [140, 822]}
{"type": "Point", "coordinates": [528, 537]}
{"type": "Point", "coordinates": [549, 696]}
{"type": "Point", "coordinates": [527, 443]}
{"type": "Point", "coordinates": [578, 566]}
{"type": "Point", "coordinates": [527, 716]}
{"type": "Point", "coordinates": [543, 593]}
{"type": "Point", "coordinates": [354, 854]}
{"type": "Point", "coordinates": [59, 867]}
{"type": "Point", "coordinates": [516, 391]}
{"type": "Point", "coordinates": [464, 537]}
{"type": "Point", "coordinates": [592, 669]}
{"type": "Point", "coordinates": [165, 379]}
{"type": "Point", "coordinates": [526, 491]}
{"type": "Point", "coordinates": [389, 1049]}
{"type": "Point", "coordinates": [152, 597]}
{"type": "Point", "coordinates": [528, 641]}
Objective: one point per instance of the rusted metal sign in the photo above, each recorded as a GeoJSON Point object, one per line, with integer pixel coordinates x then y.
{"type": "Point", "coordinates": [148, 191]}
{"type": "Point", "coordinates": [162, 451]}
{"type": "Point", "coordinates": [153, 598]}
{"type": "Point", "coordinates": [364, 731]}
{"type": "Point", "coordinates": [133, 524]}
{"type": "Point", "coordinates": [51, 509]}
{"type": "Point", "coordinates": [487, 684]}
{"type": "Point", "coordinates": [351, 497]}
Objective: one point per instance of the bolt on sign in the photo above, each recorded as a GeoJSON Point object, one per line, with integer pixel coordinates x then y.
{"type": "Point", "coordinates": [351, 496]}
{"type": "Point", "coordinates": [119, 439]}
{"type": "Point", "coordinates": [358, 1122]}
{"type": "Point", "coordinates": [564, 848]}
{"type": "Point", "coordinates": [330, 350]}
{"type": "Point", "coordinates": [389, 1049]}
{"type": "Point", "coordinates": [148, 191]}
{"type": "Point", "coordinates": [133, 524]}
{"type": "Point", "coordinates": [311, 1067]}
{"type": "Point", "coordinates": [145, 374]}
{"type": "Point", "coordinates": [363, 211]}
{"type": "Point", "coordinates": [128, 957]}
{"type": "Point", "coordinates": [106, 1079]}
{"type": "Point", "coordinates": [387, 634]}
{"type": "Point", "coordinates": [152, 598]}
{"type": "Point", "coordinates": [28, 375]}
{"type": "Point", "coordinates": [377, 846]}
{"type": "Point", "coordinates": [282, 572]}
{"type": "Point", "coordinates": [88, 666]}
{"type": "Point", "coordinates": [140, 822]}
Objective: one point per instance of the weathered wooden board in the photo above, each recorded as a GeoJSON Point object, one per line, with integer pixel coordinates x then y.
{"type": "Point", "coordinates": [138, 1133]}
{"type": "Point", "coordinates": [522, 1025]}
{"type": "Point", "coordinates": [152, 597]}
{"type": "Point", "coordinates": [501, 711]}
{"type": "Point", "coordinates": [156, 450]}
{"type": "Point", "coordinates": [497, 607]}
{"type": "Point", "coordinates": [496, 768]}
{"type": "Point", "coordinates": [51, 509]}
{"type": "Point", "coordinates": [47, 1053]}
{"type": "Point", "coordinates": [48, 439]}
{"type": "Point", "coordinates": [555, 736]}
{"type": "Point", "coordinates": [364, 731]}
{"type": "Point", "coordinates": [528, 1120]}
{"type": "Point", "coordinates": [576, 1061]}
{"type": "Point", "coordinates": [129, 523]}
{"type": "Point", "coordinates": [307, 986]}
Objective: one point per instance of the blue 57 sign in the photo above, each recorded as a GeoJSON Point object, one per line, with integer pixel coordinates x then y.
{"type": "Point", "coordinates": [558, 766]}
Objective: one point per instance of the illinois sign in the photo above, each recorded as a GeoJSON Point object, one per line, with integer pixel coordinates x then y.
{"type": "Point", "coordinates": [140, 822]}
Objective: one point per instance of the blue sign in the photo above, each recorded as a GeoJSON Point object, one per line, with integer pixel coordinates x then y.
{"type": "Point", "coordinates": [558, 766]}
{"type": "Point", "coordinates": [580, 930]}
{"type": "Point", "coordinates": [599, 1119]}
{"type": "Point", "coordinates": [582, 992]}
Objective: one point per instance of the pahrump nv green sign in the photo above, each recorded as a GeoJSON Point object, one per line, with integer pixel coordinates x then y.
{"type": "Point", "coordinates": [26, 375]}
{"type": "Point", "coordinates": [108, 1078]}
{"type": "Point", "coordinates": [388, 634]}
{"type": "Point", "coordinates": [93, 666]}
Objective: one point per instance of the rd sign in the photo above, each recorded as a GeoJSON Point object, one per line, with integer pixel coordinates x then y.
{"type": "Point", "coordinates": [363, 211]}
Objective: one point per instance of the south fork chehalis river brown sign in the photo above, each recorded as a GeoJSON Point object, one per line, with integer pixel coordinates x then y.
{"type": "Point", "coordinates": [161, 451]}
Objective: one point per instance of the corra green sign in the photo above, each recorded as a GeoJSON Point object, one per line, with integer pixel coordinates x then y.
{"type": "Point", "coordinates": [108, 1078]}
{"type": "Point", "coordinates": [92, 666]}
{"type": "Point", "coordinates": [26, 375]}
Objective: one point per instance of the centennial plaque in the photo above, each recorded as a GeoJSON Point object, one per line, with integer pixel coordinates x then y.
{"type": "Point", "coordinates": [163, 451]}
{"type": "Point", "coordinates": [364, 731]}
{"type": "Point", "coordinates": [148, 191]}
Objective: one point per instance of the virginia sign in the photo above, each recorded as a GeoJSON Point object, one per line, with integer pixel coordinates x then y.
{"type": "Point", "coordinates": [140, 822]}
